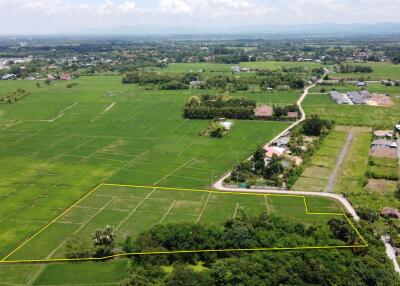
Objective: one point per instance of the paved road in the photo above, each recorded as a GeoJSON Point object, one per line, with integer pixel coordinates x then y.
{"type": "Point", "coordinates": [391, 253]}
{"type": "Point", "coordinates": [339, 163]}
{"type": "Point", "coordinates": [342, 200]}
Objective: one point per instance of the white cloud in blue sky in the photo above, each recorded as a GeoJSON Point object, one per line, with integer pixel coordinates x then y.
{"type": "Point", "coordinates": [52, 16]}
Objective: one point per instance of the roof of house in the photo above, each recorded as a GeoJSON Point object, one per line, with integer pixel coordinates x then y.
{"type": "Point", "coordinates": [383, 142]}
{"type": "Point", "coordinates": [383, 133]}
{"type": "Point", "coordinates": [270, 151]}
{"type": "Point", "coordinates": [293, 114]}
{"type": "Point", "coordinates": [263, 111]}
{"type": "Point", "coordinates": [284, 140]}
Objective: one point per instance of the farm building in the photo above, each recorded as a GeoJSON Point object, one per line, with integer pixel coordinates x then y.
{"type": "Point", "coordinates": [8, 76]}
{"type": "Point", "coordinates": [382, 143]}
{"type": "Point", "coordinates": [264, 112]}
{"type": "Point", "coordinates": [357, 98]}
{"type": "Point", "coordinates": [235, 69]}
{"type": "Point", "coordinates": [383, 134]}
{"type": "Point", "coordinates": [273, 151]}
{"type": "Point", "coordinates": [65, 76]}
{"type": "Point", "coordinates": [227, 125]}
{"type": "Point", "coordinates": [361, 84]}
{"type": "Point", "coordinates": [338, 97]}
{"type": "Point", "coordinates": [281, 142]}
{"type": "Point", "coordinates": [390, 212]}
{"type": "Point", "coordinates": [293, 115]}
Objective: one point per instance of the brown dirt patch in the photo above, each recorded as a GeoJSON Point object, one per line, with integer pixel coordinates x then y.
{"type": "Point", "coordinates": [381, 186]}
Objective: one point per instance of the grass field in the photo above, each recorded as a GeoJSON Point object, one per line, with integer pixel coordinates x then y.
{"type": "Point", "coordinates": [355, 115]}
{"type": "Point", "coordinates": [132, 210]}
{"type": "Point", "coordinates": [380, 71]}
{"type": "Point", "coordinates": [316, 176]}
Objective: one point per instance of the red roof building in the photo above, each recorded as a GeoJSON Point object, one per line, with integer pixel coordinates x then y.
{"type": "Point", "coordinates": [264, 111]}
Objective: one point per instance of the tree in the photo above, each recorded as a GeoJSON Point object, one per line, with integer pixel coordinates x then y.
{"type": "Point", "coordinates": [186, 276]}
{"type": "Point", "coordinates": [368, 214]}
{"type": "Point", "coordinates": [104, 241]}
{"type": "Point", "coordinates": [316, 126]}
{"type": "Point", "coordinates": [76, 247]}
{"type": "Point", "coordinates": [259, 160]}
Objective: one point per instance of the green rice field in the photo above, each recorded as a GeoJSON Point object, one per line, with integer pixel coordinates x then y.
{"type": "Point", "coordinates": [132, 210]}
{"type": "Point", "coordinates": [58, 143]}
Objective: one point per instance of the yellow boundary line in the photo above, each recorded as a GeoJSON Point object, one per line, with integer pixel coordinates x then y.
{"type": "Point", "coordinates": [4, 259]}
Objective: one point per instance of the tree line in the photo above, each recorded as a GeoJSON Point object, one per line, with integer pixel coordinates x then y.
{"type": "Point", "coordinates": [363, 266]}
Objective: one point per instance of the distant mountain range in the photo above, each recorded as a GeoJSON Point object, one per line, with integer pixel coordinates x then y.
{"type": "Point", "coordinates": [311, 29]}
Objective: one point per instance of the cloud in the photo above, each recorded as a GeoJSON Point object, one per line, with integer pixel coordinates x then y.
{"type": "Point", "coordinates": [175, 6]}
{"type": "Point", "coordinates": [67, 15]}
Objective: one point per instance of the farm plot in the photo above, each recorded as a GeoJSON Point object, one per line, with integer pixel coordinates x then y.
{"type": "Point", "coordinates": [380, 71]}
{"type": "Point", "coordinates": [223, 68]}
{"type": "Point", "coordinates": [133, 209]}
{"type": "Point", "coordinates": [354, 115]}
{"type": "Point", "coordinates": [353, 180]}
{"type": "Point", "coordinates": [316, 176]}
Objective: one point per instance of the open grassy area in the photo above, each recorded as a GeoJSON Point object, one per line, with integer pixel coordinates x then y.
{"type": "Point", "coordinates": [373, 194]}
{"type": "Point", "coordinates": [355, 115]}
{"type": "Point", "coordinates": [218, 68]}
{"type": "Point", "coordinates": [382, 70]}
{"type": "Point", "coordinates": [316, 176]}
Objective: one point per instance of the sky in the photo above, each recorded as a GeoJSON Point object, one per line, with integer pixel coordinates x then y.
{"type": "Point", "coordinates": [82, 16]}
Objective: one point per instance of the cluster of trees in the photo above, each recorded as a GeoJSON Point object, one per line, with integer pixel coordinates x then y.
{"type": "Point", "coordinates": [367, 266]}
{"type": "Point", "coordinates": [14, 96]}
{"type": "Point", "coordinates": [214, 129]}
{"type": "Point", "coordinates": [278, 79]}
{"type": "Point", "coordinates": [163, 80]}
{"type": "Point", "coordinates": [242, 232]}
{"type": "Point", "coordinates": [273, 174]}
{"type": "Point", "coordinates": [102, 244]}
{"type": "Point", "coordinates": [281, 112]}
{"type": "Point", "coordinates": [316, 126]}
{"type": "Point", "coordinates": [280, 171]}
{"type": "Point", "coordinates": [209, 107]}
{"type": "Point", "coordinates": [355, 69]}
